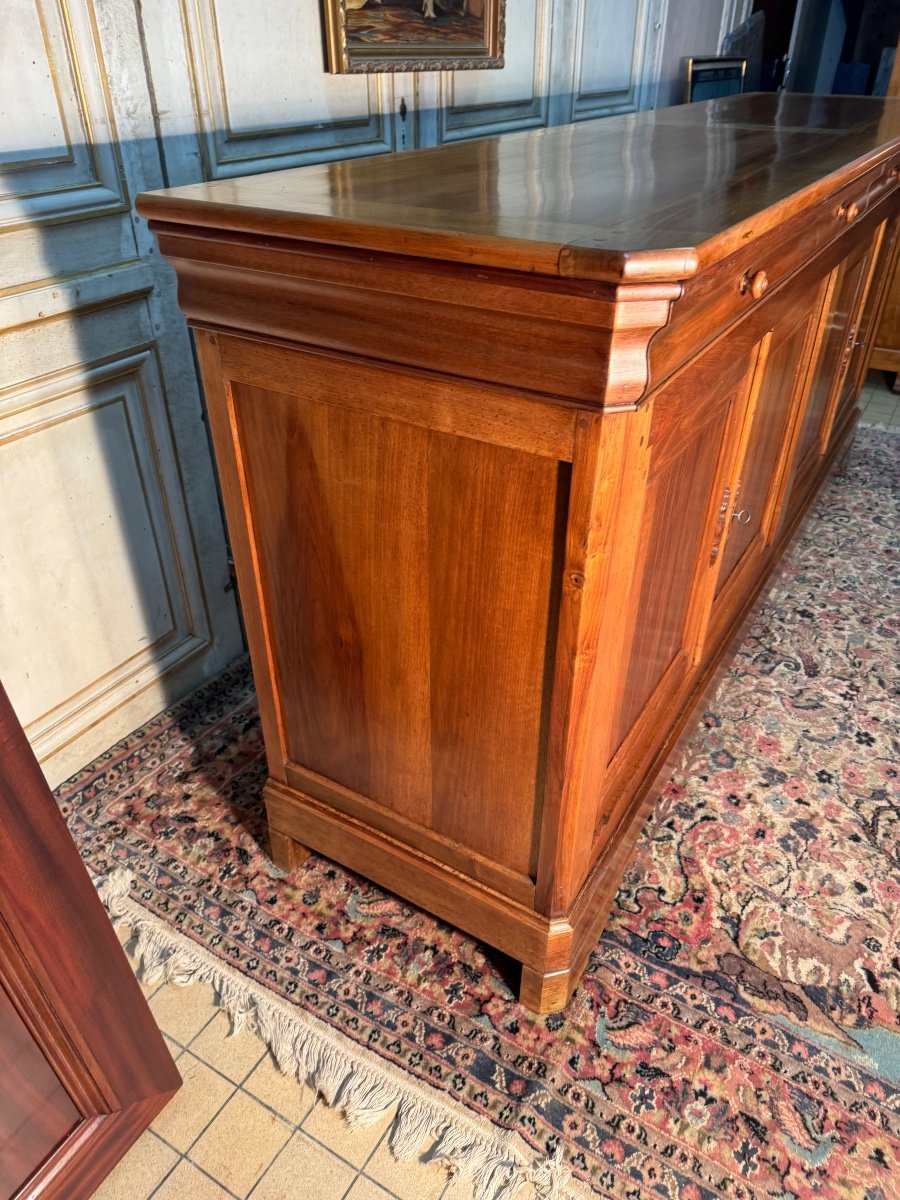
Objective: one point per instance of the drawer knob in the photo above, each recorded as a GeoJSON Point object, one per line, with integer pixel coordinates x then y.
{"type": "Point", "coordinates": [755, 284]}
{"type": "Point", "coordinates": [742, 516]}
{"type": "Point", "coordinates": [849, 212]}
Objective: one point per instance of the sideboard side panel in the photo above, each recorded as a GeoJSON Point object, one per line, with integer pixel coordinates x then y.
{"type": "Point", "coordinates": [408, 579]}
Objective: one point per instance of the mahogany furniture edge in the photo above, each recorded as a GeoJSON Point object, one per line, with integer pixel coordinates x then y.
{"type": "Point", "coordinates": [67, 977]}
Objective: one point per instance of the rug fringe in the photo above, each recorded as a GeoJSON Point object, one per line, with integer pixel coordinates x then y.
{"type": "Point", "coordinates": [350, 1078]}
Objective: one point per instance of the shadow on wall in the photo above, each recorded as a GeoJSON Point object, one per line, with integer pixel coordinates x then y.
{"type": "Point", "coordinates": [116, 596]}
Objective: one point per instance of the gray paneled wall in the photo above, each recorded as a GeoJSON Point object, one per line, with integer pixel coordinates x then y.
{"type": "Point", "coordinates": [115, 595]}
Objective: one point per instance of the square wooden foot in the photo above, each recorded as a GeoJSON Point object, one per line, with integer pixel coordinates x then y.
{"type": "Point", "coordinates": [286, 853]}
{"type": "Point", "coordinates": [546, 993]}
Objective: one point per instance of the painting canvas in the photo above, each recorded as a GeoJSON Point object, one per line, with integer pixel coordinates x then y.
{"type": "Point", "coordinates": [413, 35]}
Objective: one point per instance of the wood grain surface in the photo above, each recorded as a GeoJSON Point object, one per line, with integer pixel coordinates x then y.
{"type": "Point", "coordinates": [73, 1022]}
{"type": "Point", "coordinates": [36, 1112]}
{"type": "Point", "coordinates": [577, 200]}
{"type": "Point", "coordinates": [406, 575]}
{"type": "Point", "coordinates": [511, 434]}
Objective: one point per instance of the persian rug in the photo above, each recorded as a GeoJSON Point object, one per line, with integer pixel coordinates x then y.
{"type": "Point", "coordinates": [736, 1033]}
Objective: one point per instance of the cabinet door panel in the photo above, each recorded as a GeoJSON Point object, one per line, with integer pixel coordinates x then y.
{"type": "Point", "coordinates": [720, 441]}
{"type": "Point", "coordinates": [881, 259]}
{"type": "Point", "coordinates": [685, 482]}
{"type": "Point", "coordinates": [843, 302]}
{"type": "Point", "coordinates": [36, 1111]}
{"type": "Point", "coordinates": [775, 396]}
{"type": "Point", "coordinates": [678, 500]}
{"type": "Point", "coordinates": [83, 1066]}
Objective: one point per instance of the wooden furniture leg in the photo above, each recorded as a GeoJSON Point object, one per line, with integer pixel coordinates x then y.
{"type": "Point", "coordinates": [286, 853]}
{"type": "Point", "coordinates": [546, 993]}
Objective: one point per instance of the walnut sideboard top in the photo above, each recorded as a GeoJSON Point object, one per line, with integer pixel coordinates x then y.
{"type": "Point", "coordinates": [511, 433]}
{"type": "Point", "coordinates": [650, 195]}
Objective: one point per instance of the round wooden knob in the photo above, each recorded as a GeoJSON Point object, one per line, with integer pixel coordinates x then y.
{"type": "Point", "coordinates": [758, 284]}
{"type": "Point", "coordinates": [849, 212]}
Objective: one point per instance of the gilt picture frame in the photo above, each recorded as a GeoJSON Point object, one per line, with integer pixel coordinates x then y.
{"type": "Point", "coordinates": [362, 36]}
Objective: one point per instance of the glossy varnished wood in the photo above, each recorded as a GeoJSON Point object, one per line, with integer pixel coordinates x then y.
{"type": "Point", "coordinates": [648, 195]}
{"type": "Point", "coordinates": [510, 435]}
{"type": "Point", "coordinates": [74, 1025]}
{"type": "Point", "coordinates": [36, 1112]}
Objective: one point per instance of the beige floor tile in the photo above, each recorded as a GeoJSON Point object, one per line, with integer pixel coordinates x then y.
{"type": "Point", "coordinates": [174, 1048]}
{"type": "Point", "coordinates": [190, 1110]}
{"type": "Point", "coordinates": [181, 1012]}
{"type": "Point", "coordinates": [365, 1189]}
{"type": "Point", "coordinates": [144, 1166]}
{"type": "Point", "coordinates": [287, 1096]}
{"type": "Point", "coordinates": [240, 1144]}
{"type": "Point", "coordinates": [304, 1171]}
{"type": "Point", "coordinates": [410, 1180]}
{"type": "Point", "coordinates": [328, 1126]}
{"type": "Point", "coordinates": [457, 1189]}
{"type": "Point", "coordinates": [235, 1056]}
{"type": "Point", "coordinates": [187, 1183]}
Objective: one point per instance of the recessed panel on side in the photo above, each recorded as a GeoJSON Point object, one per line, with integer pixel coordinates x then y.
{"type": "Point", "coordinates": [340, 524]}
{"type": "Point", "coordinates": [495, 540]}
{"type": "Point", "coordinates": [406, 578]}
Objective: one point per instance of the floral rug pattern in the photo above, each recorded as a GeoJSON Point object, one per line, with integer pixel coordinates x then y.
{"type": "Point", "coordinates": [737, 1030]}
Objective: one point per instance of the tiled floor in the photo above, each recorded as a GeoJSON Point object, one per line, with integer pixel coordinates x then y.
{"type": "Point", "coordinates": [880, 406]}
{"type": "Point", "coordinates": [239, 1128]}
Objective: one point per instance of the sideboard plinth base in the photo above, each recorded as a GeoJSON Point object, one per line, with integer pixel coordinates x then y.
{"type": "Point", "coordinates": [286, 853]}
{"type": "Point", "coordinates": [549, 992]}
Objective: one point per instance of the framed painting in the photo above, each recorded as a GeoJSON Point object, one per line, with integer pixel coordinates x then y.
{"type": "Point", "coordinates": [413, 35]}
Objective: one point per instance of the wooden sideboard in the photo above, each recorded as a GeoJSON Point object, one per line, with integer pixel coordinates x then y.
{"type": "Point", "coordinates": [510, 435]}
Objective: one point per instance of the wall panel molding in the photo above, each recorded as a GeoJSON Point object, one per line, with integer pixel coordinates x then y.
{"type": "Point", "coordinates": [298, 115]}
{"type": "Point", "coordinates": [93, 444]}
{"type": "Point", "coordinates": [474, 103]}
{"type": "Point", "coordinates": [598, 59]}
{"type": "Point", "coordinates": [48, 299]}
{"type": "Point", "coordinates": [58, 160]}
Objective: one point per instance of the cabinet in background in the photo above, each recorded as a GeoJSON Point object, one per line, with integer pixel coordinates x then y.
{"type": "Point", "coordinates": [886, 349]}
